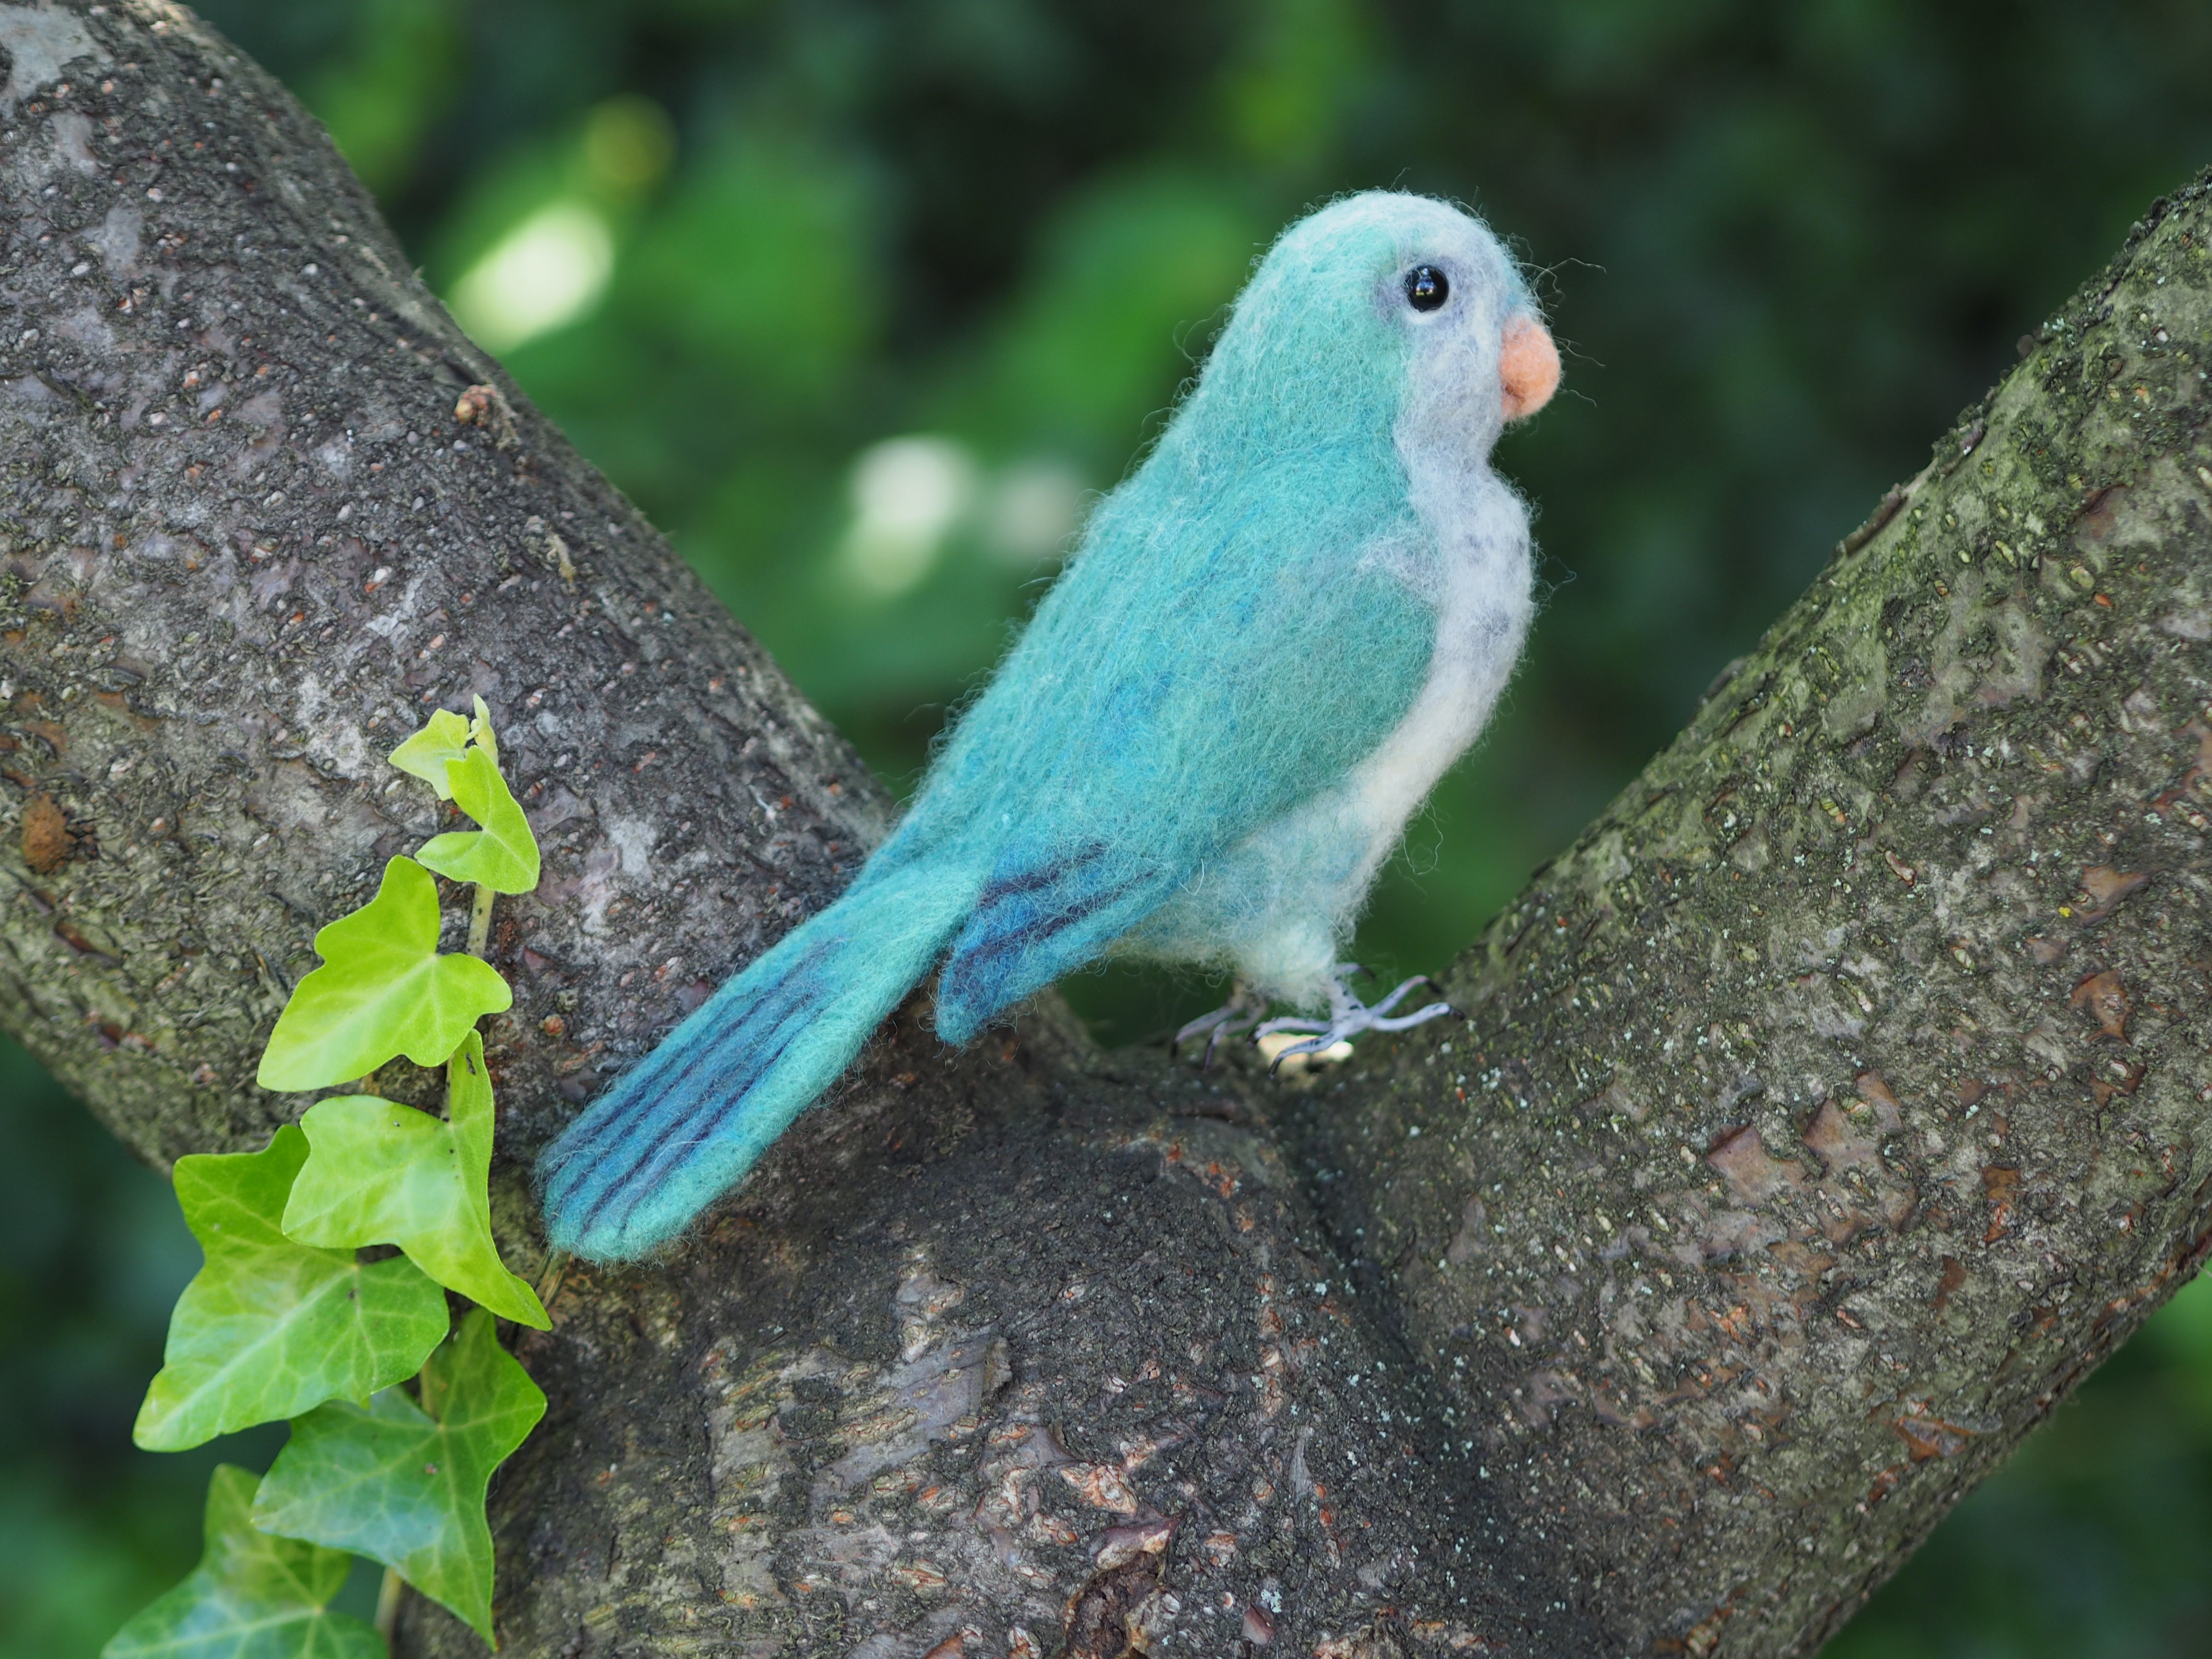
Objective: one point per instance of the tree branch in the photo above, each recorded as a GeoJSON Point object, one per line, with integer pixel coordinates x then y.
{"type": "Point", "coordinates": [1821, 1117]}
{"type": "Point", "coordinates": [1836, 1103]}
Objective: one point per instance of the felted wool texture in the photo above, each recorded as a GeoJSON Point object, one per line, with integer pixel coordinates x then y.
{"type": "Point", "coordinates": [682, 1125]}
{"type": "Point", "coordinates": [1273, 639]}
{"type": "Point", "coordinates": [1270, 642]}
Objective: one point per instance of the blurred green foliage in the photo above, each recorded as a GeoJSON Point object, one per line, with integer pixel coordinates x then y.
{"type": "Point", "coordinates": [858, 298]}
{"type": "Point", "coordinates": [93, 1252]}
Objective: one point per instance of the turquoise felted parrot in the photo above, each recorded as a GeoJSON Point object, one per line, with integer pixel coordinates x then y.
{"type": "Point", "coordinates": [1273, 638]}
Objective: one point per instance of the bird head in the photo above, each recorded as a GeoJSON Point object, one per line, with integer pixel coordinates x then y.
{"type": "Point", "coordinates": [1382, 315]}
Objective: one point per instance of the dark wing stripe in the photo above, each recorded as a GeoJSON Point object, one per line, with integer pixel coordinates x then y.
{"type": "Point", "coordinates": [672, 1066]}
{"type": "Point", "coordinates": [732, 1060]}
{"type": "Point", "coordinates": [629, 1175]}
{"type": "Point", "coordinates": [635, 1187]}
{"type": "Point", "coordinates": [1046, 875]}
{"type": "Point", "coordinates": [1041, 929]}
{"type": "Point", "coordinates": [972, 967]}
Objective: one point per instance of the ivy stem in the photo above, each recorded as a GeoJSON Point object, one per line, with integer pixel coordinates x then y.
{"type": "Point", "coordinates": [480, 920]}
{"type": "Point", "coordinates": [387, 1603]}
{"type": "Point", "coordinates": [388, 1594]}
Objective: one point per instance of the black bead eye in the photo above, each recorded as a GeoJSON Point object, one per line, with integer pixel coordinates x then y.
{"type": "Point", "coordinates": [1426, 289]}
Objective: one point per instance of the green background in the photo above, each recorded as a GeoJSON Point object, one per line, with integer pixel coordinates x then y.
{"type": "Point", "coordinates": [1781, 247]}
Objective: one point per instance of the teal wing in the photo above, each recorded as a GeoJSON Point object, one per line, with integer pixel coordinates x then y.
{"type": "Point", "coordinates": [1187, 681]}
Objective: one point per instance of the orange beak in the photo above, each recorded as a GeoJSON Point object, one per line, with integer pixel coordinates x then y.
{"type": "Point", "coordinates": [1528, 368]}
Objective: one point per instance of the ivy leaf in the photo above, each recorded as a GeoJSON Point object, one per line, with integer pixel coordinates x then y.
{"type": "Point", "coordinates": [405, 1484]}
{"type": "Point", "coordinates": [251, 1596]}
{"type": "Point", "coordinates": [504, 854]}
{"type": "Point", "coordinates": [480, 730]}
{"type": "Point", "coordinates": [382, 990]}
{"type": "Point", "coordinates": [380, 1173]}
{"type": "Point", "coordinates": [269, 1328]}
{"type": "Point", "coordinates": [426, 754]}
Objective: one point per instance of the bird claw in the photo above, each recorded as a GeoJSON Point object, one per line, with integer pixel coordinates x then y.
{"type": "Point", "coordinates": [1348, 1016]}
{"type": "Point", "coordinates": [1239, 1014]}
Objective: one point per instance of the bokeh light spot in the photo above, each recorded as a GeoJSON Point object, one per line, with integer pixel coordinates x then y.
{"type": "Point", "coordinates": [1034, 507]}
{"type": "Point", "coordinates": [549, 270]}
{"type": "Point", "coordinates": [906, 492]}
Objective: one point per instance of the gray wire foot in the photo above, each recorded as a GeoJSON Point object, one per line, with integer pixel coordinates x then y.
{"type": "Point", "coordinates": [1239, 1014]}
{"type": "Point", "coordinates": [1348, 1016]}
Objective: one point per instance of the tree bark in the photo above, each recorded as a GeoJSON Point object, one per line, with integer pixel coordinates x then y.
{"type": "Point", "coordinates": [1818, 1120]}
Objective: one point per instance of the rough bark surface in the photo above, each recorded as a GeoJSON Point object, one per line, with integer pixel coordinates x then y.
{"type": "Point", "coordinates": [1827, 1112]}
{"type": "Point", "coordinates": [1839, 1099]}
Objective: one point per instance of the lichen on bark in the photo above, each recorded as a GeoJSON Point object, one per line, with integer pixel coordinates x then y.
{"type": "Point", "coordinates": [1818, 1119]}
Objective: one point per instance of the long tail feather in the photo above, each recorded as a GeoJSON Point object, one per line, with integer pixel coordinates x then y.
{"type": "Point", "coordinates": [683, 1125]}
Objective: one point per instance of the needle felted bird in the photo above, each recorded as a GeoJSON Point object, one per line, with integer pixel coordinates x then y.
{"type": "Point", "coordinates": [1274, 636]}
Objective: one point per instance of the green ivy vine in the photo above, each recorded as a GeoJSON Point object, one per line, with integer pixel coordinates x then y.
{"type": "Point", "coordinates": [286, 1320]}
